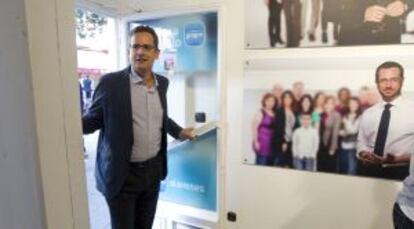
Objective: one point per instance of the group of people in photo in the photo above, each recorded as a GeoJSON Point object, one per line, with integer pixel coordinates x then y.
{"type": "Point", "coordinates": [315, 131]}
{"type": "Point", "coordinates": [354, 22]}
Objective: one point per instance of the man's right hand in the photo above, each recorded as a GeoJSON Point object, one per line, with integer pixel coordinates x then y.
{"type": "Point", "coordinates": [371, 158]}
{"type": "Point", "coordinates": [187, 134]}
{"type": "Point", "coordinates": [375, 13]}
{"type": "Point", "coordinates": [396, 9]}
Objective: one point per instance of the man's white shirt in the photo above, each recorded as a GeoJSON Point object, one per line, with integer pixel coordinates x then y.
{"type": "Point", "coordinates": [400, 137]}
{"type": "Point", "coordinates": [400, 140]}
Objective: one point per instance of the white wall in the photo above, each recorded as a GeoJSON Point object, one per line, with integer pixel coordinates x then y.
{"type": "Point", "coordinates": [20, 193]}
{"type": "Point", "coordinates": [52, 53]}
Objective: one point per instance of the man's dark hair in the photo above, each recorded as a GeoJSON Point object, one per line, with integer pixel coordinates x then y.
{"type": "Point", "coordinates": [389, 64]}
{"type": "Point", "coordinates": [145, 29]}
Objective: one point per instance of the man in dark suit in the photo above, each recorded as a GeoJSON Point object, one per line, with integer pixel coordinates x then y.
{"type": "Point", "coordinates": [130, 109]}
{"type": "Point", "coordinates": [373, 21]}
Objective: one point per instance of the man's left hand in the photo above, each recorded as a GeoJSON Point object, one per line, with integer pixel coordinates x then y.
{"type": "Point", "coordinates": [187, 134]}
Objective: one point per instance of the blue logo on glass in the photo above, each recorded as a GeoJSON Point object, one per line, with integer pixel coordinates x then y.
{"type": "Point", "coordinates": [194, 34]}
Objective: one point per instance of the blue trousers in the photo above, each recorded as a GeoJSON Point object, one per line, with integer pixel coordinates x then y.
{"type": "Point", "coordinates": [263, 160]}
{"type": "Point", "coordinates": [306, 163]}
{"type": "Point", "coordinates": [347, 161]}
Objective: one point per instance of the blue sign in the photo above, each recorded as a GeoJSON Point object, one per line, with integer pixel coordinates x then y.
{"type": "Point", "coordinates": [194, 34]}
{"type": "Point", "coordinates": [192, 174]}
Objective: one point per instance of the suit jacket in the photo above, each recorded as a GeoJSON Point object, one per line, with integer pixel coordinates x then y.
{"type": "Point", "coordinates": [111, 112]}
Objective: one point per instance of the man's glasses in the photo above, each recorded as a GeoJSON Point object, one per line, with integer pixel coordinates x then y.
{"type": "Point", "coordinates": [145, 47]}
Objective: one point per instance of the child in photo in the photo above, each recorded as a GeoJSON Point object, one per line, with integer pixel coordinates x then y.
{"type": "Point", "coordinates": [305, 143]}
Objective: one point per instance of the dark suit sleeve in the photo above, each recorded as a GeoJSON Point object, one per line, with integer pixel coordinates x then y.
{"type": "Point", "coordinates": [173, 128]}
{"type": "Point", "coordinates": [93, 119]}
{"type": "Point", "coordinates": [360, 10]}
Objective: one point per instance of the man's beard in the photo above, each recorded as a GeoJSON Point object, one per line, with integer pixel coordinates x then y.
{"type": "Point", "coordinates": [392, 96]}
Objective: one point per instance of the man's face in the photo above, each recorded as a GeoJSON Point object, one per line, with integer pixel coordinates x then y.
{"type": "Point", "coordinates": [389, 83]}
{"type": "Point", "coordinates": [142, 52]}
{"type": "Point", "coordinates": [298, 89]}
{"type": "Point", "coordinates": [277, 90]}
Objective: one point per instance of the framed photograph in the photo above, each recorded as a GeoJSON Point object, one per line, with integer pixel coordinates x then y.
{"type": "Point", "coordinates": [312, 114]}
{"type": "Point", "coordinates": [317, 23]}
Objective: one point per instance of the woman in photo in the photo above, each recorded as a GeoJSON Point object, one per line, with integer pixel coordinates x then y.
{"type": "Point", "coordinates": [284, 157]}
{"type": "Point", "coordinates": [319, 99]}
{"type": "Point", "coordinates": [349, 132]}
{"type": "Point", "coordinates": [306, 106]}
{"type": "Point", "coordinates": [330, 124]}
{"type": "Point", "coordinates": [262, 130]}
{"type": "Point", "coordinates": [344, 95]}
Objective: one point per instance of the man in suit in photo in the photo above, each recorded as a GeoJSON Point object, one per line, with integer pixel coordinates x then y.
{"type": "Point", "coordinates": [386, 135]}
{"type": "Point", "coordinates": [129, 108]}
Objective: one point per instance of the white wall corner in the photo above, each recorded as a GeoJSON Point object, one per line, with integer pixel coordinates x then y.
{"type": "Point", "coordinates": [51, 40]}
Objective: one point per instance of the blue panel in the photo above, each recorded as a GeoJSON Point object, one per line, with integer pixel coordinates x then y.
{"type": "Point", "coordinates": [192, 175]}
